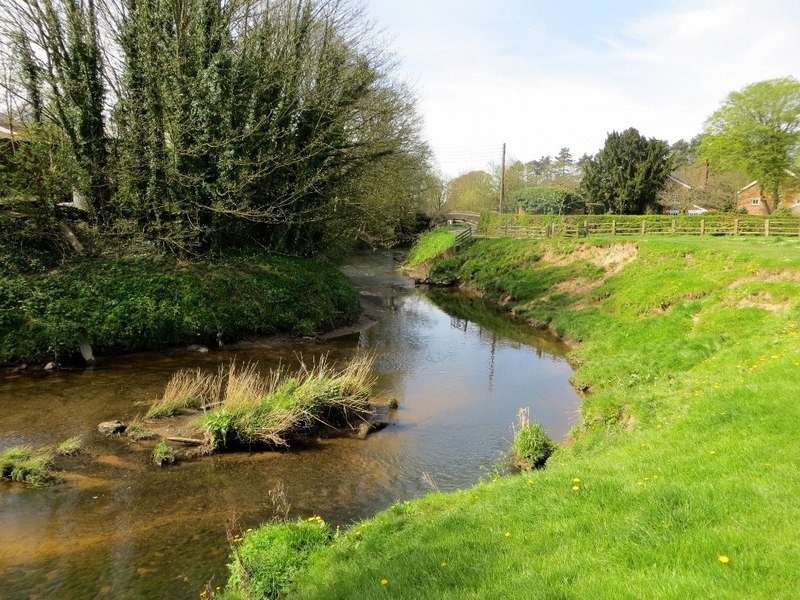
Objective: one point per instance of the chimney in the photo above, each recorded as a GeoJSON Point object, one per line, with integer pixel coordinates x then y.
{"type": "Point", "coordinates": [703, 174]}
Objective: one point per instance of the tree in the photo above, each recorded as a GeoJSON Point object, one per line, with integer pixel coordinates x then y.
{"type": "Point", "coordinates": [472, 192]}
{"type": "Point", "coordinates": [627, 173]}
{"type": "Point", "coordinates": [57, 47]}
{"type": "Point", "coordinates": [683, 152]}
{"type": "Point", "coordinates": [757, 130]}
{"type": "Point", "coordinates": [549, 200]}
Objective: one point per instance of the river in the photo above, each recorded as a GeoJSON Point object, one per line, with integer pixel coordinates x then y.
{"type": "Point", "coordinates": [119, 527]}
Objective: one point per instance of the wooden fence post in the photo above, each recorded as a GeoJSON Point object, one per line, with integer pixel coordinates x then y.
{"type": "Point", "coordinates": [672, 227]}
{"type": "Point", "coordinates": [613, 227]}
{"type": "Point", "coordinates": [643, 226]}
{"type": "Point", "coordinates": [766, 227]}
{"type": "Point", "coordinates": [736, 227]}
{"type": "Point", "coordinates": [702, 226]}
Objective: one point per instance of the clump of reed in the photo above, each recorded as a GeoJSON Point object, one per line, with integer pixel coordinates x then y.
{"type": "Point", "coordinates": [258, 410]}
{"type": "Point", "coordinates": [70, 447]}
{"type": "Point", "coordinates": [24, 464]}
{"type": "Point", "coordinates": [192, 389]}
{"type": "Point", "coordinates": [163, 454]}
{"type": "Point", "coordinates": [531, 447]}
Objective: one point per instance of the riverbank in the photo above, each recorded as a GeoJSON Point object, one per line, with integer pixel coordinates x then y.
{"type": "Point", "coordinates": [680, 480]}
{"type": "Point", "coordinates": [126, 305]}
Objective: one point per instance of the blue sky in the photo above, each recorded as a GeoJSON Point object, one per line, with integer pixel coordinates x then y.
{"type": "Point", "coordinates": [544, 75]}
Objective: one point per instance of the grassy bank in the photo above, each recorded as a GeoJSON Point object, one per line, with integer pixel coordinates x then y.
{"type": "Point", "coordinates": [130, 304]}
{"type": "Point", "coordinates": [430, 245]}
{"type": "Point", "coordinates": [681, 481]}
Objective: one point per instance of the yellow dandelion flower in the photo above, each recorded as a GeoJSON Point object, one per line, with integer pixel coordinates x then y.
{"type": "Point", "coordinates": [713, 452]}
{"type": "Point", "coordinates": [576, 480]}
{"type": "Point", "coordinates": [443, 565]}
{"type": "Point", "coordinates": [507, 534]}
{"type": "Point", "coordinates": [384, 582]}
{"type": "Point", "coordinates": [724, 559]}
{"type": "Point", "coordinates": [575, 488]}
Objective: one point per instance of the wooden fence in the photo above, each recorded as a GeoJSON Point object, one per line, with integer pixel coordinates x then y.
{"type": "Point", "coordinates": [542, 226]}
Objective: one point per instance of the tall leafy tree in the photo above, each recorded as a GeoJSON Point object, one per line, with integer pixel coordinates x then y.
{"type": "Point", "coordinates": [57, 46]}
{"type": "Point", "coordinates": [757, 131]}
{"type": "Point", "coordinates": [627, 173]}
{"type": "Point", "coordinates": [475, 191]}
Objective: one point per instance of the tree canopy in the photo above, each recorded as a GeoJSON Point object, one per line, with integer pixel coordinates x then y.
{"type": "Point", "coordinates": [211, 123]}
{"type": "Point", "coordinates": [549, 200]}
{"type": "Point", "coordinates": [627, 173]}
{"type": "Point", "coordinates": [757, 131]}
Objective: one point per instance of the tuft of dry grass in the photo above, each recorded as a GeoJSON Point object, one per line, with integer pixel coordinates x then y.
{"type": "Point", "coordinates": [186, 389]}
{"type": "Point", "coordinates": [259, 410]}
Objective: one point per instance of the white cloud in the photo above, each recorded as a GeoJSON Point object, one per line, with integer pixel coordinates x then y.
{"type": "Point", "coordinates": [662, 73]}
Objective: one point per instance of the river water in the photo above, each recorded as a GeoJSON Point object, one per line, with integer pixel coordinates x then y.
{"type": "Point", "coordinates": [119, 527]}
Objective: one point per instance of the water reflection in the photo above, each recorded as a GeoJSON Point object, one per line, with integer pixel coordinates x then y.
{"type": "Point", "coordinates": [121, 528]}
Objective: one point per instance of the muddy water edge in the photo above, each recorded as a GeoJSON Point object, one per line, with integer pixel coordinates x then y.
{"type": "Point", "coordinates": [119, 527]}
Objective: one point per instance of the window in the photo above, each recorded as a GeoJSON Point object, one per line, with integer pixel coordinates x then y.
{"type": "Point", "coordinates": [756, 201]}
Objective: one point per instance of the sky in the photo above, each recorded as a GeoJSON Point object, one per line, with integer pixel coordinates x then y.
{"type": "Point", "coordinates": [542, 75]}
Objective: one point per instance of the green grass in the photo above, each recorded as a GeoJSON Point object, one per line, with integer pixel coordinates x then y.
{"type": "Point", "coordinates": [686, 452]}
{"type": "Point", "coordinates": [70, 447]}
{"type": "Point", "coordinates": [138, 431]}
{"type": "Point", "coordinates": [429, 246]}
{"type": "Point", "coordinates": [163, 454]}
{"type": "Point", "coordinates": [130, 304]}
{"type": "Point", "coordinates": [26, 465]}
{"type": "Point", "coordinates": [266, 560]}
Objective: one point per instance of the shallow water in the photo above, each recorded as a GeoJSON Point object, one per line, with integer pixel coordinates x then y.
{"type": "Point", "coordinates": [119, 527]}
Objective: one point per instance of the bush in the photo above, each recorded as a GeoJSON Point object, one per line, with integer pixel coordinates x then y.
{"type": "Point", "coordinates": [267, 559]}
{"type": "Point", "coordinates": [531, 447]}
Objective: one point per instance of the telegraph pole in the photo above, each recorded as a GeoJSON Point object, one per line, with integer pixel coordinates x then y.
{"type": "Point", "coordinates": [503, 179]}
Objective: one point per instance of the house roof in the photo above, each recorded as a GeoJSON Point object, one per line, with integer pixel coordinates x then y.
{"type": "Point", "coordinates": [749, 185]}
{"type": "Point", "coordinates": [679, 181]}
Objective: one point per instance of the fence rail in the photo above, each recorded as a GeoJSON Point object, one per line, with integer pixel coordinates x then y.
{"type": "Point", "coordinates": [536, 226]}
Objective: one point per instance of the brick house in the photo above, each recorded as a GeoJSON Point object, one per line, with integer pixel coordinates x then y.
{"type": "Point", "coordinates": [758, 202]}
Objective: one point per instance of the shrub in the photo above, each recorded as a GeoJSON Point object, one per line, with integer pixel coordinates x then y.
{"type": "Point", "coordinates": [531, 447]}
{"type": "Point", "coordinates": [266, 560]}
